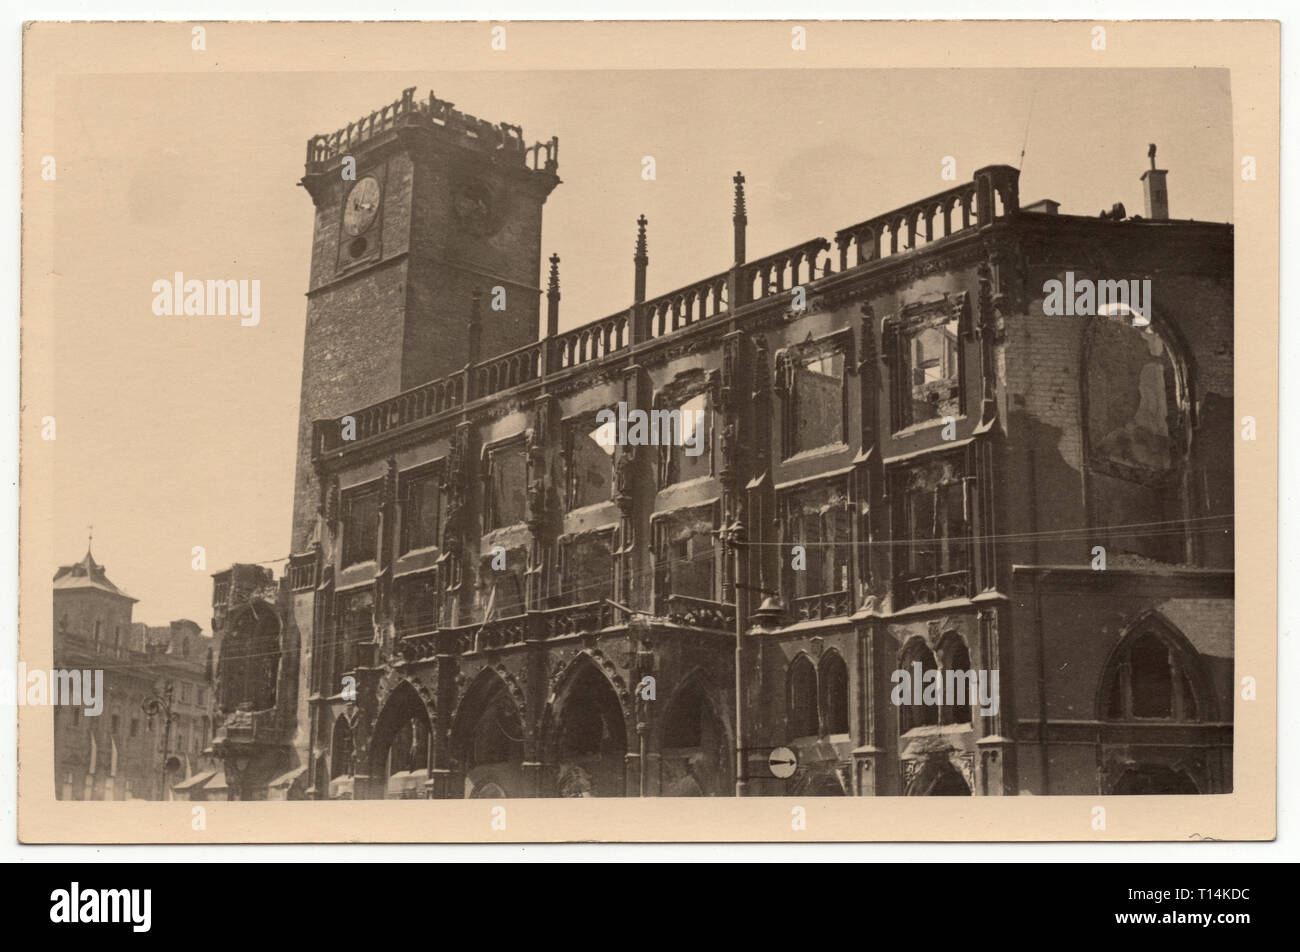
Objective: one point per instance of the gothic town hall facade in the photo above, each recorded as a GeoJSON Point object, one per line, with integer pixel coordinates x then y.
{"type": "Point", "coordinates": [904, 465]}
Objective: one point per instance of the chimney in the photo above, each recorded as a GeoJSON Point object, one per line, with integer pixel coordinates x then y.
{"type": "Point", "coordinates": [1153, 189]}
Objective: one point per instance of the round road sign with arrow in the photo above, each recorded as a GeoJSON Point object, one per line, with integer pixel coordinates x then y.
{"type": "Point", "coordinates": [782, 762]}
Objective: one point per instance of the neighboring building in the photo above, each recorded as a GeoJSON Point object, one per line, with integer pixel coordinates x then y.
{"type": "Point", "coordinates": [119, 754]}
{"type": "Point", "coordinates": [481, 584]}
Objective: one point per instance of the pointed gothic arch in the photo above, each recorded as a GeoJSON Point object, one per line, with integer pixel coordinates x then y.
{"type": "Point", "coordinates": [249, 664]}
{"type": "Point", "coordinates": [399, 744]}
{"type": "Point", "coordinates": [490, 735]}
{"type": "Point", "coordinates": [833, 692]}
{"type": "Point", "coordinates": [341, 749]}
{"type": "Point", "coordinates": [801, 698]}
{"type": "Point", "coordinates": [695, 741]}
{"type": "Point", "coordinates": [588, 731]}
{"type": "Point", "coordinates": [1154, 673]}
{"type": "Point", "coordinates": [916, 715]}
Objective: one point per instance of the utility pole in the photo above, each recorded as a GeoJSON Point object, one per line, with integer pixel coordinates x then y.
{"type": "Point", "coordinates": [154, 705]}
{"type": "Point", "coordinates": [735, 537]}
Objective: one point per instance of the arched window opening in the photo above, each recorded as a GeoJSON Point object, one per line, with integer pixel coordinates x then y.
{"type": "Point", "coordinates": [1152, 780]}
{"type": "Point", "coordinates": [916, 660]}
{"type": "Point", "coordinates": [937, 777]}
{"type": "Point", "coordinates": [497, 736]}
{"type": "Point", "coordinates": [592, 738]}
{"type": "Point", "coordinates": [696, 752]}
{"type": "Point", "coordinates": [341, 750]}
{"type": "Point", "coordinates": [801, 710]}
{"type": "Point", "coordinates": [250, 660]}
{"type": "Point", "coordinates": [1152, 675]}
{"type": "Point", "coordinates": [399, 745]}
{"type": "Point", "coordinates": [833, 686]}
{"type": "Point", "coordinates": [960, 682]}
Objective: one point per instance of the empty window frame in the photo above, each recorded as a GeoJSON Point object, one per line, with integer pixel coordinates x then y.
{"type": "Point", "coordinates": [360, 525]}
{"type": "Point", "coordinates": [588, 460]}
{"type": "Point", "coordinates": [923, 354]}
{"type": "Point", "coordinates": [586, 568]}
{"type": "Point", "coordinates": [684, 431]}
{"type": "Point", "coordinates": [685, 554]}
{"type": "Point", "coordinates": [507, 485]}
{"type": "Point", "coordinates": [819, 520]}
{"type": "Point", "coordinates": [815, 401]}
{"type": "Point", "coordinates": [421, 510]}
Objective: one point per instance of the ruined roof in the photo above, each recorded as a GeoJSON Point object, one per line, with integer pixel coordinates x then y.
{"type": "Point", "coordinates": [86, 574]}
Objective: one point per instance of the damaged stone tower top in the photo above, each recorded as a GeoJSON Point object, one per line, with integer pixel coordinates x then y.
{"type": "Point", "coordinates": [419, 207]}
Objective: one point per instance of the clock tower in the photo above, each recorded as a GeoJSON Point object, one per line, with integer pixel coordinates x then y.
{"type": "Point", "coordinates": [418, 205]}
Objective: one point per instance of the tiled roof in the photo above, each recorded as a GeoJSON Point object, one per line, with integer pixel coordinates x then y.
{"type": "Point", "coordinates": [86, 574]}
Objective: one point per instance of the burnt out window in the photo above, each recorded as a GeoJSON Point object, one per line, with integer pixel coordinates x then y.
{"type": "Point", "coordinates": [801, 698]}
{"type": "Point", "coordinates": [1137, 438]}
{"type": "Point", "coordinates": [955, 657]}
{"type": "Point", "coordinates": [819, 521]}
{"type": "Point", "coordinates": [360, 526]}
{"type": "Point", "coordinates": [833, 693]}
{"type": "Point", "coordinates": [935, 530]}
{"type": "Point", "coordinates": [914, 661]}
{"type": "Point", "coordinates": [250, 657]}
{"type": "Point", "coordinates": [507, 485]}
{"type": "Point", "coordinates": [816, 401]}
{"type": "Point", "coordinates": [1151, 677]}
{"type": "Point", "coordinates": [685, 556]}
{"type": "Point", "coordinates": [504, 574]}
{"type": "Point", "coordinates": [684, 432]}
{"type": "Point", "coordinates": [588, 460]}
{"type": "Point", "coordinates": [420, 510]}
{"type": "Point", "coordinates": [355, 617]}
{"type": "Point", "coordinates": [923, 354]}
{"type": "Point", "coordinates": [586, 568]}
{"type": "Point", "coordinates": [933, 535]}
{"type": "Point", "coordinates": [416, 603]}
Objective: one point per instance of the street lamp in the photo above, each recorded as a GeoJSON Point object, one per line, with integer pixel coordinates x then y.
{"type": "Point", "coordinates": [154, 705]}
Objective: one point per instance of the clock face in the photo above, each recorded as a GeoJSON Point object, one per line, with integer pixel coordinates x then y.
{"type": "Point", "coordinates": [362, 206]}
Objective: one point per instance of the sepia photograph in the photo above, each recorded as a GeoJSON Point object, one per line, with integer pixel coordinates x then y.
{"type": "Point", "coordinates": [858, 431]}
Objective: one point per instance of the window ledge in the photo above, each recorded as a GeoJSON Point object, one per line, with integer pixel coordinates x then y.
{"type": "Point", "coordinates": [915, 428]}
{"type": "Point", "coordinates": [686, 484]}
{"type": "Point", "coordinates": [830, 449]}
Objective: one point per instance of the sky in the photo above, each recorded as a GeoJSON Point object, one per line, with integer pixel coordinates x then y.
{"type": "Point", "coordinates": [175, 432]}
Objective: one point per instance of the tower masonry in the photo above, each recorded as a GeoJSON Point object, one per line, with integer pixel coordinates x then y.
{"type": "Point", "coordinates": [418, 207]}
